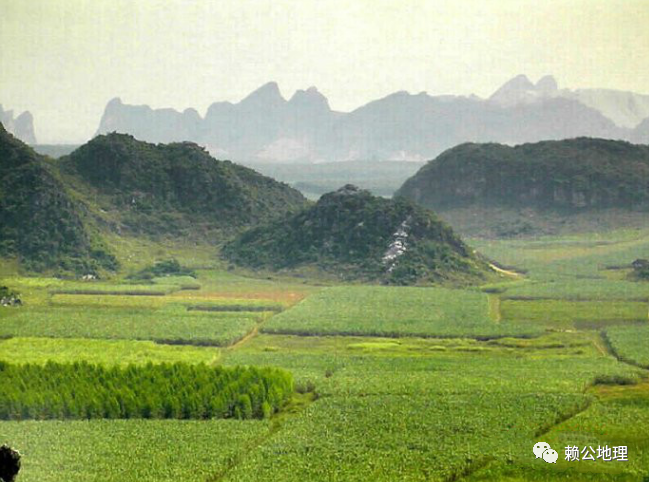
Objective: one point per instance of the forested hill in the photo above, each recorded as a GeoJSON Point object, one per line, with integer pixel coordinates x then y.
{"type": "Point", "coordinates": [569, 177]}
{"type": "Point", "coordinates": [179, 188]}
{"type": "Point", "coordinates": [353, 235]}
{"type": "Point", "coordinates": [40, 223]}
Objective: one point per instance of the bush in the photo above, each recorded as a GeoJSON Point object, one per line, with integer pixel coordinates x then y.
{"type": "Point", "coordinates": [168, 267]}
{"type": "Point", "coordinates": [614, 380]}
{"type": "Point", "coordinates": [641, 269]}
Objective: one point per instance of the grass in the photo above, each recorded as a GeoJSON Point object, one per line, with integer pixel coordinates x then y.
{"type": "Point", "coordinates": [105, 352]}
{"type": "Point", "coordinates": [129, 450]}
{"type": "Point", "coordinates": [569, 314]}
{"type": "Point", "coordinates": [447, 393]}
{"type": "Point", "coordinates": [188, 301]}
{"type": "Point", "coordinates": [378, 407]}
{"type": "Point", "coordinates": [581, 256]}
{"type": "Point", "coordinates": [581, 289]}
{"type": "Point", "coordinates": [118, 290]}
{"type": "Point", "coordinates": [169, 324]}
{"type": "Point", "coordinates": [395, 312]}
{"type": "Point", "coordinates": [630, 343]}
{"type": "Point", "coordinates": [618, 416]}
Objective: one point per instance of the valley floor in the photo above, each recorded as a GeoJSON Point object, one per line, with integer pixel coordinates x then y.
{"type": "Point", "coordinates": [392, 384]}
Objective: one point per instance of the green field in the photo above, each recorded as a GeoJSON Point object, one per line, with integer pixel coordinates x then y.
{"type": "Point", "coordinates": [395, 312]}
{"type": "Point", "coordinates": [597, 289]}
{"type": "Point", "coordinates": [392, 384]}
{"type": "Point", "coordinates": [630, 343]}
{"type": "Point", "coordinates": [129, 450]}
{"type": "Point", "coordinates": [568, 314]}
{"type": "Point", "coordinates": [169, 325]}
{"type": "Point", "coordinates": [106, 352]}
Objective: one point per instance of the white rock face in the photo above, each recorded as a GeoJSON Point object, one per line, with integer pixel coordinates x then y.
{"type": "Point", "coordinates": [398, 246]}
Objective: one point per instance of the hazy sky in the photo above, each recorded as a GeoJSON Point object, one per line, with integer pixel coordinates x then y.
{"type": "Point", "coordinates": [64, 59]}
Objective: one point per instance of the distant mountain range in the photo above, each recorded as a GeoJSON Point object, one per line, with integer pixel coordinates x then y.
{"type": "Point", "coordinates": [22, 126]}
{"type": "Point", "coordinates": [264, 127]}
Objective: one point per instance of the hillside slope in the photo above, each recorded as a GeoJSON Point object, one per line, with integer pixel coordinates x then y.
{"type": "Point", "coordinates": [561, 179]}
{"type": "Point", "coordinates": [39, 222]}
{"type": "Point", "coordinates": [353, 235]}
{"type": "Point", "coordinates": [173, 189]}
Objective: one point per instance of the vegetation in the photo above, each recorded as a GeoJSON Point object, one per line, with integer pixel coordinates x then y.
{"type": "Point", "coordinates": [40, 223]}
{"type": "Point", "coordinates": [171, 324]}
{"type": "Point", "coordinates": [378, 409]}
{"type": "Point", "coordinates": [106, 352]}
{"type": "Point", "coordinates": [579, 289]}
{"type": "Point", "coordinates": [395, 312]}
{"type": "Point", "coordinates": [168, 267]}
{"type": "Point", "coordinates": [130, 450]}
{"type": "Point", "coordinates": [641, 269]}
{"type": "Point", "coordinates": [460, 384]}
{"type": "Point", "coordinates": [9, 297]}
{"type": "Point", "coordinates": [557, 177]}
{"type": "Point", "coordinates": [183, 391]}
{"type": "Point", "coordinates": [568, 314]}
{"type": "Point", "coordinates": [354, 235]}
{"type": "Point", "coordinates": [173, 189]}
{"type": "Point", "coordinates": [630, 342]}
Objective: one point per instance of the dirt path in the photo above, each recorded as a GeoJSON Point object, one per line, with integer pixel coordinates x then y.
{"type": "Point", "coordinates": [506, 272]}
{"type": "Point", "coordinates": [253, 333]}
{"type": "Point", "coordinates": [602, 345]}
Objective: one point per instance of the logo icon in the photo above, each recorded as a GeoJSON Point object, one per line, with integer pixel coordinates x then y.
{"type": "Point", "coordinates": [550, 456]}
{"type": "Point", "coordinates": [544, 451]}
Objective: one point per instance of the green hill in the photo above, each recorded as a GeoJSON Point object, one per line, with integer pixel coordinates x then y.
{"type": "Point", "coordinates": [578, 183]}
{"type": "Point", "coordinates": [40, 223]}
{"type": "Point", "coordinates": [352, 234]}
{"type": "Point", "coordinates": [172, 189]}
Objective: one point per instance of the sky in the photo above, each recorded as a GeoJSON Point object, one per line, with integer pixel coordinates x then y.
{"type": "Point", "coordinates": [63, 60]}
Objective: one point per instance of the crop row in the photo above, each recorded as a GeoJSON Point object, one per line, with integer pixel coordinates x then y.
{"type": "Point", "coordinates": [170, 324]}
{"type": "Point", "coordinates": [395, 312]}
